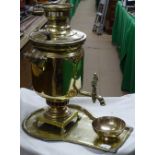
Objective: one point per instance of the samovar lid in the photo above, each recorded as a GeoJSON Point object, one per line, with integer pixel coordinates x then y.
{"type": "Point", "coordinates": [44, 37]}
{"type": "Point", "coordinates": [57, 32]}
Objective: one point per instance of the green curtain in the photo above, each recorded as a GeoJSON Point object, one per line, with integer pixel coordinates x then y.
{"type": "Point", "coordinates": [123, 36]}
{"type": "Point", "coordinates": [97, 3]}
{"type": "Point", "coordinates": [74, 4]}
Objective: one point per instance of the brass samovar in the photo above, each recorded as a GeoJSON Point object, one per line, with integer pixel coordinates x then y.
{"type": "Point", "coordinates": [57, 72]}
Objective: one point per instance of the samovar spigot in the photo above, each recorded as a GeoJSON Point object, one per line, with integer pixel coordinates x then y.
{"type": "Point", "coordinates": [93, 94]}
{"type": "Point", "coordinates": [94, 91]}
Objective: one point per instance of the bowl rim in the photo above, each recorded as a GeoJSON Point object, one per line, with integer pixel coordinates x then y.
{"type": "Point", "coordinates": [108, 117]}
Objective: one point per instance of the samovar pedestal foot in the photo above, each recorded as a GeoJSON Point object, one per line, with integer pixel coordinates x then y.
{"type": "Point", "coordinates": [54, 120]}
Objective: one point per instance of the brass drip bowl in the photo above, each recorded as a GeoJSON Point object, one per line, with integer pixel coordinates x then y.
{"type": "Point", "coordinates": [108, 127]}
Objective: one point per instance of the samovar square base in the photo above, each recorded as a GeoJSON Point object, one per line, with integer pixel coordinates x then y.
{"type": "Point", "coordinates": [60, 123]}
{"type": "Point", "coordinates": [38, 126]}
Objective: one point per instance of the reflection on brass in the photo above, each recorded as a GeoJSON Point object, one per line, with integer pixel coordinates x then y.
{"type": "Point", "coordinates": [108, 127]}
{"type": "Point", "coordinates": [57, 62]}
{"type": "Point", "coordinates": [79, 131]}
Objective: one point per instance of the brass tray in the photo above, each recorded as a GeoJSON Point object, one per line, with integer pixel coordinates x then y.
{"type": "Point", "coordinates": [81, 133]}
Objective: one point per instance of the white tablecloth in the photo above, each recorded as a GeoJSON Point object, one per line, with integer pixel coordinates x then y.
{"type": "Point", "coordinates": [122, 107]}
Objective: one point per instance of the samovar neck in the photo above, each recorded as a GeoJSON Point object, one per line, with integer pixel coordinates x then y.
{"type": "Point", "coordinates": [58, 18]}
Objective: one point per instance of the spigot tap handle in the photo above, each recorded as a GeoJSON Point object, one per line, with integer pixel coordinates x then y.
{"type": "Point", "coordinates": [101, 100]}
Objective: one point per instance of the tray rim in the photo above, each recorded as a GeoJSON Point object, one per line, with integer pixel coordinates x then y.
{"type": "Point", "coordinates": [62, 137]}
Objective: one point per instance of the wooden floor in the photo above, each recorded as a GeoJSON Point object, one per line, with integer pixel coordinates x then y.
{"type": "Point", "coordinates": [100, 55]}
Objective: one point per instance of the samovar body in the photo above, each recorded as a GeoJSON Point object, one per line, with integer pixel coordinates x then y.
{"type": "Point", "coordinates": [57, 56]}
{"type": "Point", "coordinates": [58, 76]}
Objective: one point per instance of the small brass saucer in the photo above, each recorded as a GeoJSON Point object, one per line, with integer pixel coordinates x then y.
{"type": "Point", "coordinates": [108, 128]}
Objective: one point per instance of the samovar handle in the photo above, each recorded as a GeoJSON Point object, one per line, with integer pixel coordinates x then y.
{"type": "Point", "coordinates": [37, 58]}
